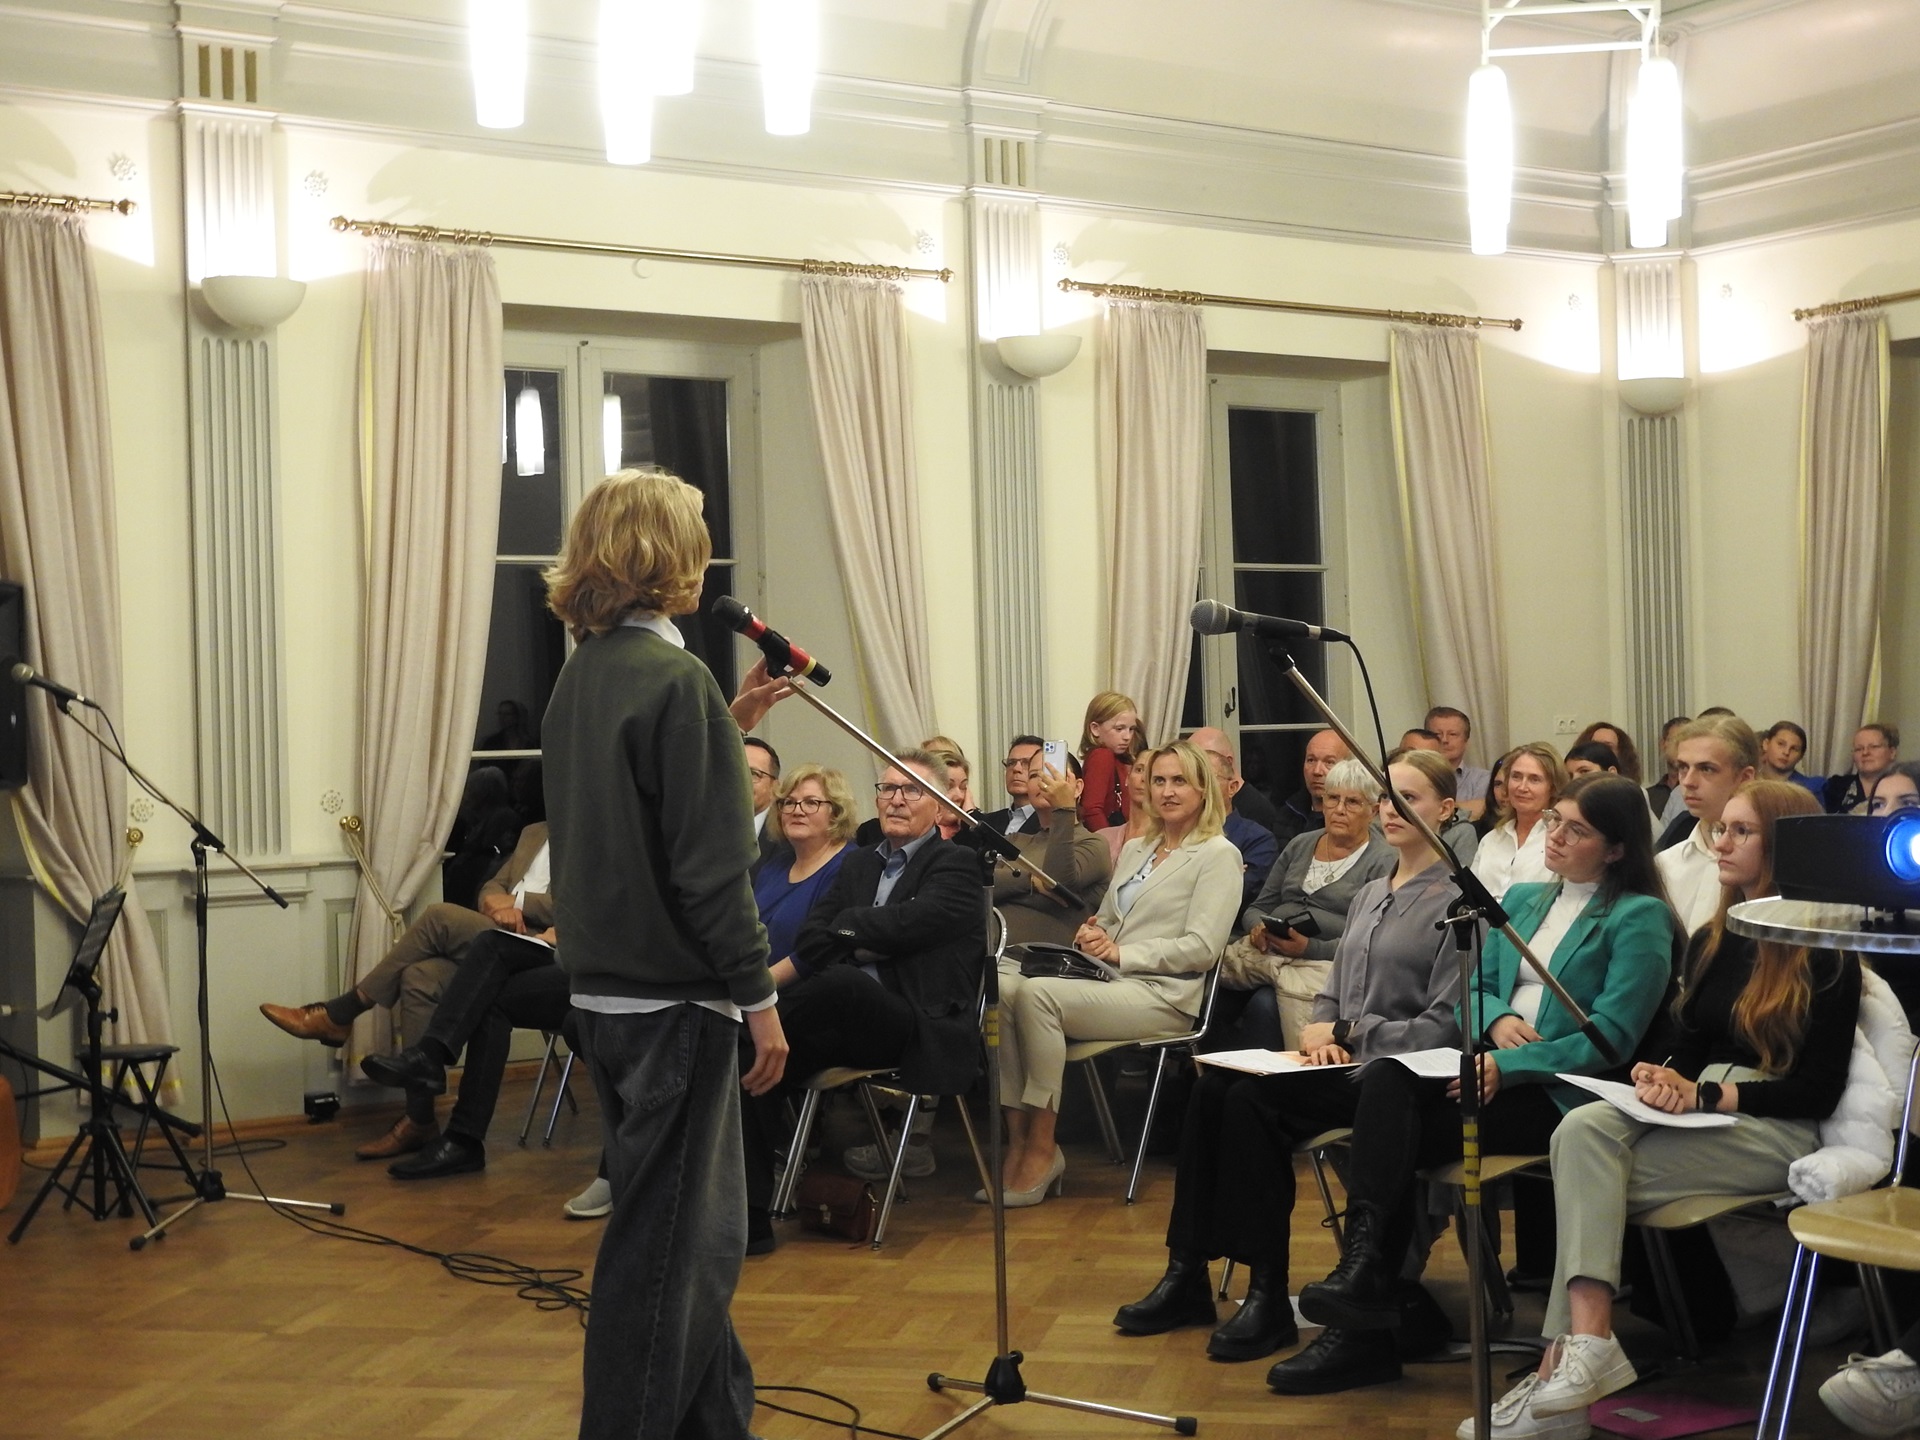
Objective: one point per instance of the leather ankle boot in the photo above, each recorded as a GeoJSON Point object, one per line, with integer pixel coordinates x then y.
{"type": "Point", "coordinates": [1338, 1360]}
{"type": "Point", "coordinates": [1264, 1322]}
{"type": "Point", "coordinates": [1184, 1296]}
{"type": "Point", "coordinates": [1361, 1293]}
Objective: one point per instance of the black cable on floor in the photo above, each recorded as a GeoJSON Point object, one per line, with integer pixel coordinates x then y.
{"type": "Point", "coordinates": [852, 1423]}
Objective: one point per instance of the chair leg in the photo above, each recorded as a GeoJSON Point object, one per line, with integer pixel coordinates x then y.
{"type": "Point", "coordinates": [893, 1176]}
{"type": "Point", "coordinates": [1146, 1125]}
{"type": "Point", "coordinates": [796, 1155]}
{"type": "Point", "coordinates": [539, 1083]}
{"type": "Point", "coordinates": [1318, 1157]}
{"type": "Point", "coordinates": [1873, 1290]}
{"type": "Point", "coordinates": [1103, 1112]}
{"type": "Point", "coordinates": [564, 1093]}
{"type": "Point", "coordinates": [1799, 1342]}
{"type": "Point", "coordinates": [1226, 1276]}
{"type": "Point", "coordinates": [973, 1140]}
{"type": "Point", "coordinates": [1788, 1314]}
{"type": "Point", "coordinates": [1673, 1301]}
{"type": "Point", "coordinates": [1494, 1282]}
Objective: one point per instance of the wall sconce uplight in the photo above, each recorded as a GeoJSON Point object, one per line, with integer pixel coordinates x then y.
{"type": "Point", "coordinates": [1655, 394]}
{"type": "Point", "coordinates": [252, 302]}
{"type": "Point", "coordinates": [1037, 356]}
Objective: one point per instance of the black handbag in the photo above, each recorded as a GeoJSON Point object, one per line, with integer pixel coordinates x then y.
{"type": "Point", "coordinates": [1061, 962]}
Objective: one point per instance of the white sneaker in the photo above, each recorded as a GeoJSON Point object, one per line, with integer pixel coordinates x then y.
{"type": "Point", "coordinates": [1875, 1394]}
{"type": "Point", "coordinates": [1515, 1418]}
{"type": "Point", "coordinates": [1585, 1369]}
{"type": "Point", "coordinates": [870, 1162]}
{"type": "Point", "coordinates": [591, 1203]}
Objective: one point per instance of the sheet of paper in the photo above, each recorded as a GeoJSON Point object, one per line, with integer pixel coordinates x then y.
{"type": "Point", "coordinates": [1442, 1063]}
{"type": "Point", "coordinates": [1266, 1062]}
{"type": "Point", "coordinates": [1622, 1098]}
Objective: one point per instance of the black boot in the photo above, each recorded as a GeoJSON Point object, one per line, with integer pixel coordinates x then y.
{"type": "Point", "coordinates": [1360, 1294]}
{"type": "Point", "coordinates": [1264, 1322]}
{"type": "Point", "coordinates": [1184, 1296]}
{"type": "Point", "coordinates": [1425, 1332]}
{"type": "Point", "coordinates": [1338, 1360]}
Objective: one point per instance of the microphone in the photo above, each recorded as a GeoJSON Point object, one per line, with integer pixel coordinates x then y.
{"type": "Point", "coordinates": [25, 674]}
{"type": "Point", "coordinates": [783, 656]}
{"type": "Point", "coordinates": [1210, 617]}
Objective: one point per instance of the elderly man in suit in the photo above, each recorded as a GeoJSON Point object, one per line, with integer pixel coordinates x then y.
{"type": "Point", "coordinates": [892, 954]}
{"type": "Point", "coordinates": [416, 971]}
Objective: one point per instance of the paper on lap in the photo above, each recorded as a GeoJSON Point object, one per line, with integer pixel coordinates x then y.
{"type": "Point", "coordinates": [1623, 1099]}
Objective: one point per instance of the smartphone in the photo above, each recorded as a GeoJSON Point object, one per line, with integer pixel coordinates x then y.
{"type": "Point", "coordinates": [1054, 754]}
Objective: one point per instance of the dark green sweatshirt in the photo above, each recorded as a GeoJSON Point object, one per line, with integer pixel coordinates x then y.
{"type": "Point", "coordinates": [651, 817]}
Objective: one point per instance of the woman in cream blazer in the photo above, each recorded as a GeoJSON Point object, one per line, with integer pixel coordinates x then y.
{"type": "Point", "coordinates": [1165, 919]}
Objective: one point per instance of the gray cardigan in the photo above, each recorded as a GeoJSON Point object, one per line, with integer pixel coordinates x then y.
{"type": "Point", "coordinates": [1329, 904]}
{"type": "Point", "coordinates": [1394, 975]}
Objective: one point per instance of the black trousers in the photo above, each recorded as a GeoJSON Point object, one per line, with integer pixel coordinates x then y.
{"type": "Point", "coordinates": [505, 982]}
{"type": "Point", "coordinates": [840, 1016]}
{"type": "Point", "coordinates": [1233, 1181]}
{"type": "Point", "coordinates": [1403, 1124]}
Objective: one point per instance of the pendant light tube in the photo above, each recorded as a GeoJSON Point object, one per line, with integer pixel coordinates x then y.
{"type": "Point", "coordinates": [612, 440]}
{"type": "Point", "coordinates": [789, 45]}
{"type": "Point", "coordinates": [672, 29]}
{"type": "Point", "coordinates": [529, 435]}
{"type": "Point", "coordinates": [626, 106]}
{"type": "Point", "coordinates": [1489, 160]}
{"type": "Point", "coordinates": [497, 52]}
{"type": "Point", "coordinates": [1654, 164]}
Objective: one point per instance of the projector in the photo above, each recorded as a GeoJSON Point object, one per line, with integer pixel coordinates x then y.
{"type": "Point", "coordinates": [1849, 859]}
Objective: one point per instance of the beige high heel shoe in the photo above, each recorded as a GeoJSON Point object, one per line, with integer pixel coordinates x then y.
{"type": "Point", "coordinates": [1055, 1180]}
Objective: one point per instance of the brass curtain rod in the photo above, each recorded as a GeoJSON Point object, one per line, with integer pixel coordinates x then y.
{"type": "Point", "coordinates": [638, 252]}
{"type": "Point", "coordinates": [75, 204]}
{"type": "Point", "coordinates": [1303, 307]}
{"type": "Point", "coordinates": [1854, 307]}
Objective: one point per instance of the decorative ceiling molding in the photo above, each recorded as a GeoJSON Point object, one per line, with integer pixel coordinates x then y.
{"type": "Point", "coordinates": [1003, 41]}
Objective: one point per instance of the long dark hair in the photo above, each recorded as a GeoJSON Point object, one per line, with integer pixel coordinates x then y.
{"type": "Point", "coordinates": [1617, 808]}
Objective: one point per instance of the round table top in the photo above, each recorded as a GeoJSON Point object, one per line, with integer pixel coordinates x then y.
{"type": "Point", "coordinates": [1810, 922]}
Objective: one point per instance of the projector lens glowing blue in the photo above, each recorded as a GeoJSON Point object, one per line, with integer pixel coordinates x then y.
{"type": "Point", "coordinates": [1903, 850]}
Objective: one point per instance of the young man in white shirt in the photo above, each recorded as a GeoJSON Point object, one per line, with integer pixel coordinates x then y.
{"type": "Point", "coordinates": [1714, 757]}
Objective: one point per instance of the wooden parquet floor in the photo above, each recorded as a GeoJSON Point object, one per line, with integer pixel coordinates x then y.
{"type": "Point", "coordinates": [242, 1325]}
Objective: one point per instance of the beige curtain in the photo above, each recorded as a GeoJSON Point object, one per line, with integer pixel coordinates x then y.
{"type": "Point", "coordinates": [58, 539]}
{"type": "Point", "coordinates": [431, 392]}
{"type": "Point", "coordinates": [1843, 498]}
{"type": "Point", "coordinates": [856, 339]}
{"type": "Point", "coordinates": [1440, 450]}
{"type": "Point", "coordinates": [1153, 424]}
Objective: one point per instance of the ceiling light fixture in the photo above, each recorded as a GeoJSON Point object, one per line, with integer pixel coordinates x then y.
{"type": "Point", "coordinates": [1489, 160]}
{"type": "Point", "coordinates": [529, 435]}
{"type": "Point", "coordinates": [612, 440]}
{"type": "Point", "coordinates": [626, 106]}
{"type": "Point", "coordinates": [1653, 154]}
{"type": "Point", "coordinates": [789, 36]}
{"type": "Point", "coordinates": [673, 34]}
{"type": "Point", "coordinates": [497, 49]}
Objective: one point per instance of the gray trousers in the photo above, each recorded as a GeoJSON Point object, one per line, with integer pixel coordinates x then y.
{"type": "Point", "coordinates": [420, 964]}
{"type": "Point", "coordinates": [1607, 1167]}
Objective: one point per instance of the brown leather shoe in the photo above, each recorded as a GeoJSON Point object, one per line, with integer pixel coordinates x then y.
{"type": "Point", "coordinates": [405, 1138]}
{"type": "Point", "coordinates": [308, 1022]}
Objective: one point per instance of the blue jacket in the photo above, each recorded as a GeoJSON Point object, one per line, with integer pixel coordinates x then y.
{"type": "Point", "coordinates": [1616, 961]}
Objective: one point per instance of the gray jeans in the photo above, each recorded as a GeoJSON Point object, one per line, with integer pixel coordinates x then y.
{"type": "Point", "coordinates": [662, 1361]}
{"type": "Point", "coordinates": [1607, 1167]}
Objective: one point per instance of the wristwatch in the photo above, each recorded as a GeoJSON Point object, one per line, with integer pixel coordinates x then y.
{"type": "Point", "coordinates": [1342, 1029]}
{"type": "Point", "coordinates": [1706, 1095]}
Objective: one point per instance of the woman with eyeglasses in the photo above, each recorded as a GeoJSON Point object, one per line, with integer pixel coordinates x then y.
{"type": "Point", "coordinates": [1514, 852]}
{"type": "Point", "coordinates": [1761, 1030]}
{"type": "Point", "coordinates": [1603, 926]}
{"type": "Point", "coordinates": [816, 817]}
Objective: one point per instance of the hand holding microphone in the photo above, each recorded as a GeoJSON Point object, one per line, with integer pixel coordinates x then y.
{"type": "Point", "coordinates": [783, 656]}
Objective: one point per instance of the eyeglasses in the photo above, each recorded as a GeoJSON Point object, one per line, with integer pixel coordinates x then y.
{"type": "Point", "coordinates": [1737, 830]}
{"type": "Point", "coordinates": [1019, 762]}
{"type": "Point", "coordinates": [808, 804]}
{"type": "Point", "coordinates": [890, 790]}
{"type": "Point", "coordinates": [765, 775]}
{"type": "Point", "coordinates": [1576, 832]}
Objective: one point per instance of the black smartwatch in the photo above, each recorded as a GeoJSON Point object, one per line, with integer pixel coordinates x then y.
{"type": "Point", "coordinates": [1706, 1095]}
{"type": "Point", "coordinates": [1342, 1029]}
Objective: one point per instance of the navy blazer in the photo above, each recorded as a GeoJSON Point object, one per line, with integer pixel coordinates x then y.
{"type": "Point", "coordinates": [928, 943]}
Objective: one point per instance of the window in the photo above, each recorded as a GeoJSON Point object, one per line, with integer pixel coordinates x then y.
{"type": "Point", "coordinates": [577, 409]}
{"type": "Point", "coordinates": [1272, 543]}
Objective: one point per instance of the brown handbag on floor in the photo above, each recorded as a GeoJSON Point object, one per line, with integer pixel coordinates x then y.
{"type": "Point", "coordinates": [836, 1205]}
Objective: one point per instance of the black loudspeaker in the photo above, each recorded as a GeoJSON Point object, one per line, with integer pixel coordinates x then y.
{"type": "Point", "coordinates": [1850, 859]}
{"type": "Point", "coordinates": [13, 695]}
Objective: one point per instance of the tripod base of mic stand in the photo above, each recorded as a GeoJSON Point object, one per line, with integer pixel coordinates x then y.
{"type": "Point", "coordinates": [211, 1189]}
{"type": "Point", "coordinates": [1004, 1386]}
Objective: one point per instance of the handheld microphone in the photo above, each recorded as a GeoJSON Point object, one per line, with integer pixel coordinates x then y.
{"type": "Point", "coordinates": [783, 656]}
{"type": "Point", "coordinates": [25, 674]}
{"type": "Point", "coordinates": [1210, 617]}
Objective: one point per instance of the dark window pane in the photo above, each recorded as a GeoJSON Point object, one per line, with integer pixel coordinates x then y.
{"type": "Point", "coordinates": [706, 637]}
{"type": "Point", "coordinates": [532, 486]}
{"type": "Point", "coordinates": [1270, 760]}
{"type": "Point", "coordinates": [525, 648]}
{"type": "Point", "coordinates": [1267, 697]}
{"type": "Point", "coordinates": [1276, 488]}
{"type": "Point", "coordinates": [679, 425]}
{"type": "Point", "coordinates": [1193, 708]}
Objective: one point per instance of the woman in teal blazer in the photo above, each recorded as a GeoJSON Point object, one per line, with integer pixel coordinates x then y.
{"type": "Point", "coordinates": [1611, 939]}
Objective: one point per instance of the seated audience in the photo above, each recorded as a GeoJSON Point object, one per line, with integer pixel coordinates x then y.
{"type": "Point", "coordinates": [1453, 729]}
{"type": "Point", "coordinates": [1591, 757]}
{"type": "Point", "coordinates": [1618, 741]}
{"type": "Point", "coordinates": [1301, 811]}
{"type": "Point", "coordinates": [1676, 809]}
{"type": "Point", "coordinates": [507, 981]}
{"type": "Point", "coordinates": [1714, 756]}
{"type": "Point", "coordinates": [1395, 978]}
{"type": "Point", "coordinates": [945, 746]}
{"type": "Point", "coordinates": [1878, 1394]}
{"type": "Point", "coordinates": [1016, 773]}
{"type": "Point", "coordinates": [1072, 855]}
{"type": "Point", "coordinates": [416, 971]}
{"type": "Point", "coordinates": [1604, 928]}
{"type": "Point", "coordinates": [1875, 749]}
{"type": "Point", "coordinates": [1780, 751]}
{"type": "Point", "coordinates": [1761, 1030]}
{"type": "Point", "coordinates": [1496, 797]}
{"type": "Point", "coordinates": [1897, 789]}
{"type": "Point", "coordinates": [1462, 835]}
{"type": "Point", "coordinates": [1419, 738]}
{"type": "Point", "coordinates": [1257, 847]}
{"type": "Point", "coordinates": [959, 789]}
{"type": "Point", "coordinates": [1514, 852]}
{"type": "Point", "coordinates": [1243, 800]}
{"type": "Point", "coordinates": [1163, 923]}
{"type": "Point", "coordinates": [1269, 980]}
{"type": "Point", "coordinates": [1139, 812]}
{"type": "Point", "coordinates": [1661, 791]}
{"type": "Point", "coordinates": [486, 827]}
{"type": "Point", "coordinates": [1110, 740]}
{"type": "Point", "coordinates": [815, 812]}
{"type": "Point", "coordinates": [763, 769]}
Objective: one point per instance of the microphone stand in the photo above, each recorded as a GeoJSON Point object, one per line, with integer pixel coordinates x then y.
{"type": "Point", "coordinates": [1474, 906]}
{"type": "Point", "coordinates": [1003, 1384]}
{"type": "Point", "coordinates": [207, 1185]}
